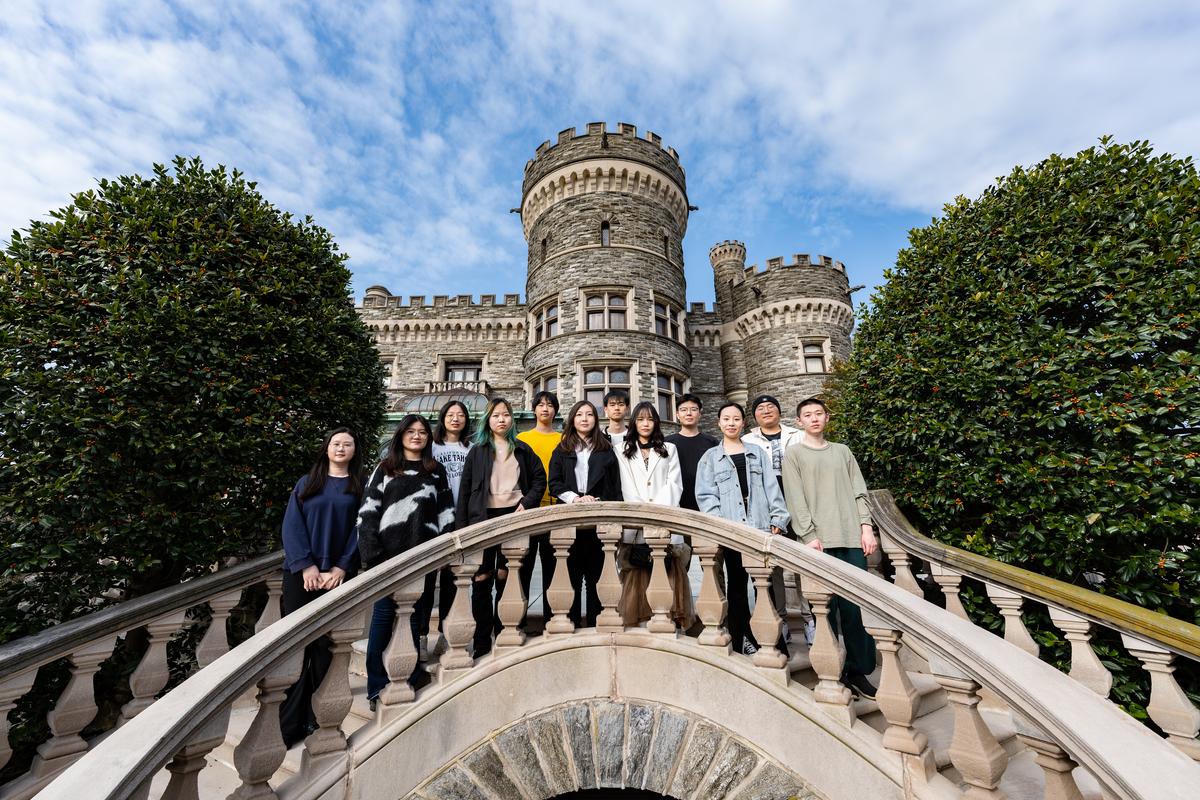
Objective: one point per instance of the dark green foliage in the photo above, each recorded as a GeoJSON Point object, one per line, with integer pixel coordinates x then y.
{"type": "Point", "coordinates": [1027, 383]}
{"type": "Point", "coordinates": [173, 348]}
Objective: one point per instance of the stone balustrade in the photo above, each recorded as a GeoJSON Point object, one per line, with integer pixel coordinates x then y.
{"type": "Point", "coordinates": [1155, 640]}
{"type": "Point", "coordinates": [1048, 722]}
{"type": "Point", "coordinates": [87, 643]}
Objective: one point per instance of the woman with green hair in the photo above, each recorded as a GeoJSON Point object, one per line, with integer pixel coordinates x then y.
{"type": "Point", "coordinates": [501, 476]}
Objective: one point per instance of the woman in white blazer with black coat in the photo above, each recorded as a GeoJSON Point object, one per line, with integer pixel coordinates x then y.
{"type": "Point", "coordinates": [650, 474]}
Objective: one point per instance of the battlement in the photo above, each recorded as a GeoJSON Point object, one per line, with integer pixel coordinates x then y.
{"type": "Point", "coordinates": [798, 260]}
{"type": "Point", "coordinates": [380, 297]}
{"type": "Point", "coordinates": [599, 129]}
{"type": "Point", "coordinates": [728, 250]}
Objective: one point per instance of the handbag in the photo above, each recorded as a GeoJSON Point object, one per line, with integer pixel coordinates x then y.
{"type": "Point", "coordinates": [641, 557]}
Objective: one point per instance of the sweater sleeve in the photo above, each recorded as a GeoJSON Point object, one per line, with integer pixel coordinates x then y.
{"type": "Point", "coordinates": [859, 486]}
{"type": "Point", "coordinates": [297, 543]}
{"type": "Point", "coordinates": [537, 482]}
{"type": "Point", "coordinates": [445, 502]}
{"type": "Point", "coordinates": [369, 513]}
{"type": "Point", "coordinates": [793, 492]}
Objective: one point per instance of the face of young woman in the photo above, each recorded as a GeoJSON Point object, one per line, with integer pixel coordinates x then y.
{"type": "Point", "coordinates": [730, 423]}
{"type": "Point", "coordinates": [340, 450]}
{"type": "Point", "coordinates": [645, 425]}
{"type": "Point", "coordinates": [585, 420]}
{"type": "Point", "coordinates": [413, 440]}
{"type": "Point", "coordinates": [500, 420]}
{"type": "Point", "coordinates": [455, 420]}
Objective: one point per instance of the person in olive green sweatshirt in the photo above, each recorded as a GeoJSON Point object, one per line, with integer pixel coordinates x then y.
{"type": "Point", "coordinates": [827, 500]}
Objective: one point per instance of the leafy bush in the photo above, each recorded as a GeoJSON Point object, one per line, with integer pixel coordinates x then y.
{"type": "Point", "coordinates": [1028, 383]}
{"type": "Point", "coordinates": [174, 348]}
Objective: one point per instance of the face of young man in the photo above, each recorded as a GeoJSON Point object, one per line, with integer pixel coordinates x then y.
{"type": "Point", "coordinates": [688, 414]}
{"type": "Point", "coordinates": [813, 419]}
{"type": "Point", "coordinates": [616, 409]}
{"type": "Point", "coordinates": [543, 412]}
{"type": "Point", "coordinates": [767, 416]}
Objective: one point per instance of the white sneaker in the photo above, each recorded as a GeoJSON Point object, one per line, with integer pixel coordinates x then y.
{"type": "Point", "coordinates": [422, 649]}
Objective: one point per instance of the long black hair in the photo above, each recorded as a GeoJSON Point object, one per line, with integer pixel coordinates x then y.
{"type": "Point", "coordinates": [393, 462]}
{"type": "Point", "coordinates": [572, 439]}
{"type": "Point", "coordinates": [656, 435]}
{"type": "Point", "coordinates": [320, 468]}
{"type": "Point", "coordinates": [439, 433]}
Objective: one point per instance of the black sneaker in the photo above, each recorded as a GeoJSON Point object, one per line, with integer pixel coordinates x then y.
{"type": "Point", "coordinates": [748, 647]}
{"type": "Point", "coordinates": [859, 686]}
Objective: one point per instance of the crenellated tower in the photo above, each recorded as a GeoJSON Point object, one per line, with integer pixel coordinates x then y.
{"type": "Point", "coordinates": [782, 328]}
{"type": "Point", "coordinates": [604, 215]}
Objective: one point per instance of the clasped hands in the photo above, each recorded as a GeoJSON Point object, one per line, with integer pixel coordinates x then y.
{"type": "Point", "coordinates": [315, 580]}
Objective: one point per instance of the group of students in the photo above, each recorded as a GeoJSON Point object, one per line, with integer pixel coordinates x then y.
{"type": "Point", "coordinates": [775, 478]}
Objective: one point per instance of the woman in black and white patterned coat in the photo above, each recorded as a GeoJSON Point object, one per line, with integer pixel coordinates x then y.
{"type": "Point", "coordinates": [407, 502]}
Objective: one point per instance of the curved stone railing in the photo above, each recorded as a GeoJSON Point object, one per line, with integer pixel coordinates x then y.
{"type": "Point", "coordinates": [1063, 723]}
{"type": "Point", "coordinates": [1156, 640]}
{"type": "Point", "coordinates": [86, 643]}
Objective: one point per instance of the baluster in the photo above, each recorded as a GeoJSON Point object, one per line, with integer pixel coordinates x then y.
{"type": "Point", "coordinates": [1056, 767]}
{"type": "Point", "coordinates": [974, 751]}
{"type": "Point", "coordinates": [901, 564]}
{"type": "Point", "coordinates": [1009, 603]}
{"type": "Point", "coordinates": [609, 585]}
{"type": "Point", "coordinates": [559, 592]}
{"type": "Point", "coordinates": [332, 700]}
{"type": "Point", "coordinates": [658, 593]}
{"type": "Point", "coordinates": [152, 671]}
{"type": "Point", "coordinates": [12, 690]}
{"type": "Point", "coordinates": [272, 612]}
{"type": "Point", "coordinates": [1169, 707]}
{"type": "Point", "coordinates": [950, 582]}
{"type": "Point", "coordinates": [513, 602]}
{"type": "Point", "coordinates": [899, 701]}
{"type": "Point", "coordinates": [710, 605]}
{"type": "Point", "coordinates": [192, 757]}
{"type": "Point", "coordinates": [258, 756]}
{"type": "Point", "coordinates": [1086, 667]}
{"type": "Point", "coordinates": [216, 639]}
{"type": "Point", "coordinates": [826, 654]}
{"type": "Point", "coordinates": [399, 657]}
{"type": "Point", "coordinates": [764, 622]}
{"type": "Point", "coordinates": [75, 708]}
{"type": "Point", "coordinates": [459, 627]}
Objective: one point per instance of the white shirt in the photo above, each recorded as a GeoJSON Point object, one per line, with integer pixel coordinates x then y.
{"type": "Point", "coordinates": [581, 473]}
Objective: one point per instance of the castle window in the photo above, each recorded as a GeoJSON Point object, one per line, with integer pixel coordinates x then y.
{"type": "Point", "coordinates": [605, 310]}
{"type": "Point", "coordinates": [544, 248]}
{"type": "Point", "coordinates": [669, 388]}
{"type": "Point", "coordinates": [666, 320]}
{"type": "Point", "coordinates": [545, 323]}
{"type": "Point", "coordinates": [545, 383]}
{"type": "Point", "coordinates": [387, 373]}
{"type": "Point", "coordinates": [466, 372]}
{"type": "Point", "coordinates": [814, 357]}
{"type": "Point", "coordinates": [666, 247]}
{"type": "Point", "coordinates": [605, 234]}
{"type": "Point", "coordinates": [599, 380]}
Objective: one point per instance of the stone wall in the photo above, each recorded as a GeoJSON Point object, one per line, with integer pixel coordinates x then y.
{"type": "Point", "coordinates": [612, 745]}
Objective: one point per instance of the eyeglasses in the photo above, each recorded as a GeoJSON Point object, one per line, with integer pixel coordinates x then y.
{"type": "Point", "coordinates": [417, 432]}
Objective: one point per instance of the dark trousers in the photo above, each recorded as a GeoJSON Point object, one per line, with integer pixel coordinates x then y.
{"type": "Point", "coordinates": [445, 598]}
{"type": "Point", "coordinates": [846, 618]}
{"type": "Point", "coordinates": [585, 562]}
{"type": "Point", "coordinates": [379, 635]}
{"type": "Point", "coordinates": [483, 606]}
{"type": "Point", "coordinates": [296, 718]}
{"type": "Point", "coordinates": [539, 550]}
{"type": "Point", "coordinates": [737, 614]}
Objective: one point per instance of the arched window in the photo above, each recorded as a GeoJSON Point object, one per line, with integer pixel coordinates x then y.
{"type": "Point", "coordinates": [605, 234]}
{"type": "Point", "coordinates": [666, 247]}
{"type": "Point", "coordinates": [544, 250]}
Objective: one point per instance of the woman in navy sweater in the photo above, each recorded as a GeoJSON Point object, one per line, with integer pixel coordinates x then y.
{"type": "Point", "coordinates": [320, 549]}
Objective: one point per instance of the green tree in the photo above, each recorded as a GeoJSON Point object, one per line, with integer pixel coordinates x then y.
{"type": "Point", "coordinates": [173, 349]}
{"type": "Point", "coordinates": [1027, 382]}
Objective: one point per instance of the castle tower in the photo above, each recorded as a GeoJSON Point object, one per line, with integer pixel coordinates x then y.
{"type": "Point", "coordinates": [729, 263]}
{"type": "Point", "coordinates": [604, 214]}
{"type": "Point", "coordinates": [783, 328]}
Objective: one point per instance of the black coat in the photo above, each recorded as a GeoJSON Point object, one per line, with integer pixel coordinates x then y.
{"type": "Point", "coordinates": [477, 476]}
{"type": "Point", "coordinates": [603, 482]}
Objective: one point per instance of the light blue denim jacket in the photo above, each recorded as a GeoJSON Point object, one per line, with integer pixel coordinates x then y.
{"type": "Point", "coordinates": [719, 492]}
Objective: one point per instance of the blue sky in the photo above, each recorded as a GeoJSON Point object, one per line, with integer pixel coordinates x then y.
{"type": "Point", "coordinates": [404, 127]}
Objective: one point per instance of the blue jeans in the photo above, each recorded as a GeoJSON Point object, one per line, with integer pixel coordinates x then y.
{"type": "Point", "coordinates": [383, 618]}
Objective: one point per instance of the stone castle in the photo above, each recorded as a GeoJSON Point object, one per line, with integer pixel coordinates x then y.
{"type": "Point", "coordinates": [604, 214]}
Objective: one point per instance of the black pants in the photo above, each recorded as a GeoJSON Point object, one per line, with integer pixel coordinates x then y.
{"type": "Point", "coordinates": [483, 606]}
{"type": "Point", "coordinates": [585, 562]}
{"type": "Point", "coordinates": [445, 598]}
{"type": "Point", "coordinates": [539, 550]}
{"type": "Point", "coordinates": [296, 718]}
{"type": "Point", "coordinates": [737, 614]}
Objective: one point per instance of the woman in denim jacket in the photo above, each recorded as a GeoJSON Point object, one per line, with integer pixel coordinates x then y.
{"type": "Point", "coordinates": [734, 481]}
